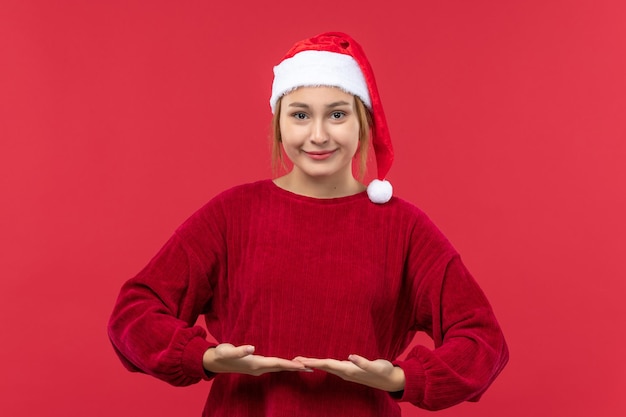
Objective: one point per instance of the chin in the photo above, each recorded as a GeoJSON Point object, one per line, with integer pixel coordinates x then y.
{"type": "Point", "coordinates": [321, 172]}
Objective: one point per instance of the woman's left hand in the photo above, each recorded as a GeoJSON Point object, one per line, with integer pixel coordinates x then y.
{"type": "Point", "coordinates": [379, 373]}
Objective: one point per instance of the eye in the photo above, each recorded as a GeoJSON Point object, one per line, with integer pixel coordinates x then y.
{"type": "Point", "coordinates": [336, 115]}
{"type": "Point", "coordinates": [299, 115]}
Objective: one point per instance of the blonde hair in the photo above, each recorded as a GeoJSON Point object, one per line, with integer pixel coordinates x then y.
{"type": "Point", "coordinates": [365, 124]}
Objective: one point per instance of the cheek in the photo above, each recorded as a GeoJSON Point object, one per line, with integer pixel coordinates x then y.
{"type": "Point", "coordinates": [290, 141]}
{"type": "Point", "coordinates": [288, 137]}
{"type": "Point", "coordinates": [354, 136]}
{"type": "Point", "coordinates": [288, 132]}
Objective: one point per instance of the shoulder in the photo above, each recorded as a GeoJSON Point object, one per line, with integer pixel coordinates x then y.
{"type": "Point", "coordinates": [242, 192]}
{"type": "Point", "coordinates": [225, 205]}
{"type": "Point", "coordinates": [400, 210]}
{"type": "Point", "coordinates": [420, 229]}
{"type": "Point", "coordinates": [400, 204]}
{"type": "Point", "coordinates": [240, 195]}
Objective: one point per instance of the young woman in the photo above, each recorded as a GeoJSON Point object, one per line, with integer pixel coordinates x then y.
{"type": "Point", "coordinates": [312, 283]}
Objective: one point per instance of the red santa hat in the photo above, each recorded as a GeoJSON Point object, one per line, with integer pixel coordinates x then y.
{"type": "Point", "coordinates": [334, 59]}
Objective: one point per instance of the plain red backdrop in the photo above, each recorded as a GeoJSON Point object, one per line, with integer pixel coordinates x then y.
{"type": "Point", "coordinates": [118, 119]}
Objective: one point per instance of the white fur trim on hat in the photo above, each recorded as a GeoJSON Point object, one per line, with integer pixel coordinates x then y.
{"type": "Point", "coordinates": [379, 191]}
{"type": "Point", "coordinates": [319, 68]}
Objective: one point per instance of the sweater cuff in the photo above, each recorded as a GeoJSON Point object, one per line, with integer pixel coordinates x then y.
{"type": "Point", "coordinates": [414, 382]}
{"type": "Point", "coordinates": [192, 358]}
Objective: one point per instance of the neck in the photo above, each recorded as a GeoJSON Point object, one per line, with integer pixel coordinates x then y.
{"type": "Point", "coordinates": [319, 187]}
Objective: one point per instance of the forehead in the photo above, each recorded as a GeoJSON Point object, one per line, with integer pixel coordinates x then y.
{"type": "Point", "coordinates": [315, 95]}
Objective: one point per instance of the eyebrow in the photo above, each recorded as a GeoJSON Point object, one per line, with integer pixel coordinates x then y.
{"type": "Point", "coordinates": [329, 106]}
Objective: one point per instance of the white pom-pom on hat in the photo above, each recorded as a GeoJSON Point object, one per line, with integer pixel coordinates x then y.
{"type": "Point", "coordinates": [339, 61]}
{"type": "Point", "coordinates": [379, 191]}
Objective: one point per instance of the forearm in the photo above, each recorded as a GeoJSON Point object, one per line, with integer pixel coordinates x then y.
{"type": "Point", "coordinates": [441, 378]}
{"type": "Point", "coordinates": [470, 350]}
{"type": "Point", "coordinates": [152, 323]}
{"type": "Point", "coordinates": [148, 340]}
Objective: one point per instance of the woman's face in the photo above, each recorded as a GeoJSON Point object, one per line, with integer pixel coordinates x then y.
{"type": "Point", "coordinates": [320, 131]}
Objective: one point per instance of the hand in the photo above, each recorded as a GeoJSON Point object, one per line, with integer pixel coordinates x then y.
{"type": "Point", "coordinates": [240, 359]}
{"type": "Point", "coordinates": [378, 373]}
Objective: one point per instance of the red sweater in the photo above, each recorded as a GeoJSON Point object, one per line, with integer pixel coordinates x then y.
{"type": "Point", "coordinates": [294, 275]}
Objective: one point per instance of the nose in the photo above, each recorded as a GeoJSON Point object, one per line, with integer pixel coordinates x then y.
{"type": "Point", "coordinates": [319, 134]}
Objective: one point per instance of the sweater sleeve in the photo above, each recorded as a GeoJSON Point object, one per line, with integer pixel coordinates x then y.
{"type": "Point", "coordinates": [152, 327]}
{"type": "Point", "coordinates": [470, 350]}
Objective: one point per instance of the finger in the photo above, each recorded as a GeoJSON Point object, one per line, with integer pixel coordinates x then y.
{"type": "Point", "coordinates": [304, 359]}
{"type": "Point", "coordinates": [274, 364]}
{"type": "Point", "coordinates": [380, 367]}
{"type": "Point", "coordinates": [359, 361]}
{"type": "Point", "coordinates": [310, 362]}
{"type": "Point", "coordinates": [246, 349]}
{"type": "Point", "coordinates": [292, 365]}
{"type": "Point", "coordinates": [329, 365]}
{"type": "Point", "coordinates": [228, 351]}
{"type": "Point", "coordinates": [304, 367]}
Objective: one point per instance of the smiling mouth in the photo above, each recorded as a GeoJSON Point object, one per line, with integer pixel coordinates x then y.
{"type": "Point", "coordinates": [319, 155]}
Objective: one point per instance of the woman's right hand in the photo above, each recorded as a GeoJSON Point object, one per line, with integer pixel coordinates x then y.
{"type": "Point", "coordinates": [241, 359]}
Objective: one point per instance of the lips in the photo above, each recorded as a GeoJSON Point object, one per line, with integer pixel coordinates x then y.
{"type": "Point", "coordinates": [319, 155]}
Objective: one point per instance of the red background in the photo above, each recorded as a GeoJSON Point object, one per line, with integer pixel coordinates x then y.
{"type": "Point", "coordinates": [118, 119]}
